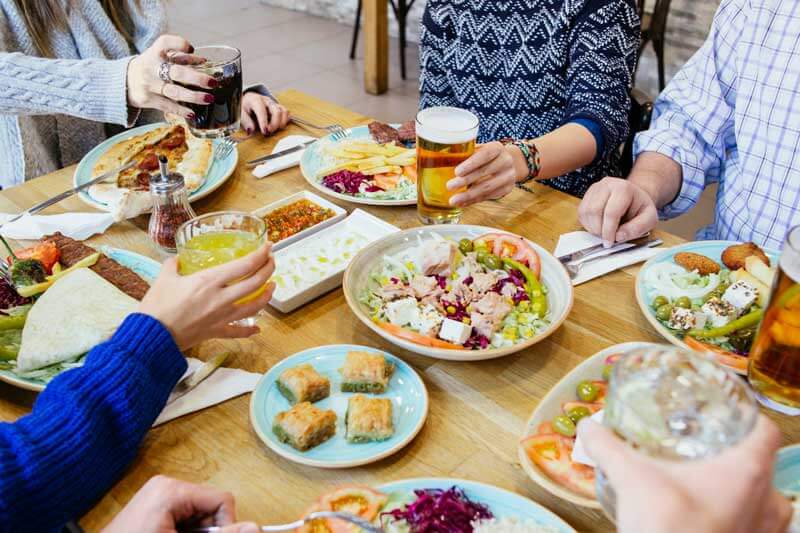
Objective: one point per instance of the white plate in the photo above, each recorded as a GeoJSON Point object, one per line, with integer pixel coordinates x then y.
{"type": "Point", "coordinates": [372, 228]}
{"type": "Point", "coordinates": [339, 215]}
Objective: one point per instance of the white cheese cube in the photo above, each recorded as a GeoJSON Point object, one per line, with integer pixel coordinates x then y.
{"type": "Point", "coordinates": [686, 319]}
{"type": "Point", "coordinates": [718, 312]}
{"type": "Point", "coordinates": [740, 295]}
{"type": "Point", "coordinates": [454, 331]}
{"type": "Point", "coordinates": [427, 321]}
{"type": "Point", "coordinates": [402, 312]}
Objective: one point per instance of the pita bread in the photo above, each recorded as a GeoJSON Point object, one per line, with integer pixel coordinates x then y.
{"type": "Point", "coordinates": [77, 313]}
{"type": "Point", "coordinates": [124, 151]}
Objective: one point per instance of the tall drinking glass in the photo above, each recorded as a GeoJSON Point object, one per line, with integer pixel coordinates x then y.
{"type": "Point", "coordinates": [674, 404]}
{"type": "Point", "coordinates": [221, 117]}
{"type": "Point", "coordinates": [774, 370]}
{"type": "Point", "coordinates": [218, 238]}
{"type": "Point", "coordinates": [445, 137]}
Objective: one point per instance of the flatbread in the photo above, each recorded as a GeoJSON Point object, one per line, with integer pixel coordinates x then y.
{"type": "Point", "coordinates": [124, 151]}
{"type": "Point", "coordinates": [77, 313]}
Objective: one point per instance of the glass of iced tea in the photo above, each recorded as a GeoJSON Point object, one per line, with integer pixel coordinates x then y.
{"type": "Point", "coordinates": [445, 137]}
{"type": "Point", "coordinates": [774, 370]}
{"type": "Point", "coordinates": [218, 238]}
{"type": "Point", "coordinates": [221, 117]}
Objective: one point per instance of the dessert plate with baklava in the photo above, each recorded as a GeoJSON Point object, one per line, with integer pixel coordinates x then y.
{"type": "Point", "coordinates": [339, 406]}
{"type": "Point", "coordinates": [128, 193]}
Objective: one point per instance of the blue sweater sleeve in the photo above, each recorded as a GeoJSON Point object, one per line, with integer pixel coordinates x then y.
{"type": "Point", "coordinates": [596, 130]}
{"type": "Point", "coordinates": [86, 427]}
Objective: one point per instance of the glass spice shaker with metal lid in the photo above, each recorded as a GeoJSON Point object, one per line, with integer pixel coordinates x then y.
{"type": "Point", "coordinates": [170, 206]}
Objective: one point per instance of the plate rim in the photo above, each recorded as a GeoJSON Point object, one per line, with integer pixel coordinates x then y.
{"type": "Point", "coordinates": [22, 383]}
{"type": "Point", "coordinates": [531, 470]}
{"type": "Point", "coordinates": [297, 457]}
{"type": "Point", "coordinates": [644, 307]}
{"type": "Point", "coordinates": [458, 355]}
{"type": "Point", "coordinates": [344, 197]}
{"type": "Point", "coordinates": [132, 132]}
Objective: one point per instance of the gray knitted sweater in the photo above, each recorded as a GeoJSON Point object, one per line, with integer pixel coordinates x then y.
{"type": "Point", "coordinates": [52, 111]}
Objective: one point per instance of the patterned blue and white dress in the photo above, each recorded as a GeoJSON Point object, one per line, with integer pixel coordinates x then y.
{"type": "Point", "coordinates": [528, 67]}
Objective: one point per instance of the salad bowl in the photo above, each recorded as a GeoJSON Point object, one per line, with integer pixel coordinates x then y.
{"type": "Point", "coordinates": [360, 280]}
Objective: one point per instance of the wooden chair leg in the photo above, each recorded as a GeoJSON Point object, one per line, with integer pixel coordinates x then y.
{"type": "Point", "coordinates": [658, 46]}
{"type": "Point", "coordinates": [356, 29]}
{"type": "Point", "coordinates": [402, 13]}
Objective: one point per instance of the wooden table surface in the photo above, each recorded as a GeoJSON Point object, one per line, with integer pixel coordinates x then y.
{"type": "Point", "coordinates": [477, 410]}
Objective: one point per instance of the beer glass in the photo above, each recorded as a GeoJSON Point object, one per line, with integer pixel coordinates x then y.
{"type": "Point", "coordinates": [674, 404]}
{"type": "Point", "coordinates": [445, 137]}
{"type": "Point", "coordinates": [774, 370]}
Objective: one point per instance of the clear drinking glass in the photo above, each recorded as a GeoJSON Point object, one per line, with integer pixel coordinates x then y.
{"type": "Point", "coordinates": [221, 117]}
{"type": "Point", "coordinates": [218, 238]}
{"type": "Point", "coordinates": [445, 137]}
{"type": "Point", "coordinates": [774, 370]}
{"type": "Point", "coordinates": [674, 404]}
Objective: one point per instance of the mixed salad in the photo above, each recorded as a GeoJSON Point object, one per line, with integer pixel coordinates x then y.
{"type": "Point", "coordinates": [711, 306]}
{"type": "Point", "coordinates": [475, 294]}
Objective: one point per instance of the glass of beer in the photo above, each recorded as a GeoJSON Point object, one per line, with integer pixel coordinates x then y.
{"type": "Point", "coordinates": [218, 238]}
{"type": "Point", "coordinates": [445, 137]}
{"type": "Point", "coordinates": [774, 370]}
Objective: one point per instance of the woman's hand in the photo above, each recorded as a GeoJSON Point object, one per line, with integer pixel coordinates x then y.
{"type": "Point", "coordinates": [202, 306]}
{"type": "Point", "coordinates": [163, 505]}
{"type": "Point", "coordinates": [147, 90]}
{"type": "Point", "coordinates": [489, 174]}
{"type": "Point", "coordinates": [262, 113]}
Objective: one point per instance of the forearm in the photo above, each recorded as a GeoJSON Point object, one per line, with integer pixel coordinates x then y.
{"type": "Point", "coordinates": [86, 427]}
{"type": "Point", "coordinates": [561, 151]}
{"type": "Point", "coordinates": [658, 175]}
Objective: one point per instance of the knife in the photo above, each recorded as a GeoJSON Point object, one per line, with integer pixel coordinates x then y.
{"type": "Point", "coordinates": [282, 153]}
{"type": "Point", "coordinates": [187, 384]}
{"type": "Point", "coordinates": [615, 250]}
{"type": "Point", "coordinates": [595, 249]}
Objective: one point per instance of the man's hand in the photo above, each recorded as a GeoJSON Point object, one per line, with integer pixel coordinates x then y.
{"type": "Point", "coordinates": [617, 210]}
{"type": "Point", "coordinates": [731, 492]}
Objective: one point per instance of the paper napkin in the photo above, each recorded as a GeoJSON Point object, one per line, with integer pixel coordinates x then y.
{"type": "Point", "coordinates": [580, 240]}
{"type": "Point", "coordinates": [282, 163]}
{"type": "Point", "coordinates": [79, 226]}
{"type": "Point", "coordinates": [222, 385]}
{"type": "Point", "coordinates": [579, 454]}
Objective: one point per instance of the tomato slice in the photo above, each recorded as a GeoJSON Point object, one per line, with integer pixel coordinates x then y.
{"type": "Point", "coordinates": [552, 454]}
{"type": "Point", "coordinates": [507, 245]}
{"type": "Point", "coordinates": [360, 501]}
{"type": "Point", "coordinates": [46, 252]}
{"type": "Point", "coordinates": [602, 390]}
{"type": "Point", "coordinates": [613, 358]}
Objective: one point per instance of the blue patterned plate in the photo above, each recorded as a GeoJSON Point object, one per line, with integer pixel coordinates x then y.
{"type": "Point", "coordinates": [144, 266]}
{"type": "Point", "coordinates": [406, 390]}
{"type": "Point", "coordinates": [645, 294]}
{"type": "Point", "coordinates": [313, 161]}
{"type": "Point", "coordinates": [502, 503]}
{"type": "Point", "coordinates": [219, 174]}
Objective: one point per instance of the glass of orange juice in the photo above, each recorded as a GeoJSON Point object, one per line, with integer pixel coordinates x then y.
{"type": "Point", "coordinates": [217, 238]}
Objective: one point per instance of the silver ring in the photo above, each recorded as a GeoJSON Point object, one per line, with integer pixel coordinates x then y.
{"type": "Point", "coordinates": [163, 72]}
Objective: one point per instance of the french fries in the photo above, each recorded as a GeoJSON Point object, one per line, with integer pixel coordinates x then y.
{"type": "Point", "coordinates": [368, 157]}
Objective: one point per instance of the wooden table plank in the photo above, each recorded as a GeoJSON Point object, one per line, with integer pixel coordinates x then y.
{"type": "Point", "coordinates": [376, 46]}
{"type": "Point", "coordinates": [477, 410]}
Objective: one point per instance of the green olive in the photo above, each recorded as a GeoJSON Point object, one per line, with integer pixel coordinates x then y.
{"type": "Point", "coordinates": [664, 312]}
{"type": "Point", "coordinates": [576, 413]}
{"type": "Point", "coordinates": [607, 372]}
{"type": "Point", "coordinates": [493, 262]}
{"type": "Point", "coordinates": [658, 301]}
{"type": "Point", "coordinates": [481, 256]}
{"type": "Point", "coordinates": [466, 246]}
{"type": "Point", "coordinates": [564, 426]}
{"type": "Point", "coordinates": [684, 302]}
{"type": "Point", "coordinates": [587, 391]}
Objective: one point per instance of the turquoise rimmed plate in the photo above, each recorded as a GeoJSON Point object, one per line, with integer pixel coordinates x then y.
{"type": "Point", "coordinates": [406, 390]}
{"type": "Point", "coordinates": [217, 176]}
{"type": "Point", "coordinates": [787, 470]}
{"type": "Point", "coordinates": [144, 266]}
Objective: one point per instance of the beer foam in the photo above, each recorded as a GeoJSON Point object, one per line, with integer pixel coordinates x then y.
{"type": "Point", "coordinates": [447, 125]}
{"type": "Point", "coordinates": [790, 257]}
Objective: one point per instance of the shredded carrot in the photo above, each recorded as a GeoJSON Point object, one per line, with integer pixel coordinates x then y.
{"type": "Point", "coordinates": [417, 338]}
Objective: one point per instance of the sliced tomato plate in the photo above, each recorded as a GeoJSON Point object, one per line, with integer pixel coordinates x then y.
{"type": "Point", "coordinates": [553, 454]}
{"type": "Point", "coordinates": [507, 245]}
{"type": "Point", "coordinates": [363, 502]}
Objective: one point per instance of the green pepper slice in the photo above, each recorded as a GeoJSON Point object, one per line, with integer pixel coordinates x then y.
{"type": "Point", "coordinates": [744, 321]}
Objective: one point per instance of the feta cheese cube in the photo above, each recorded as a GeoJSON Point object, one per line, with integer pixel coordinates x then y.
{"type": "Point", "coordinates": [454, 331]}
{"type": "Point", "coordinates": [427, 321]}
{"type": "Point", "coordinates": [740, 295]}
{"type": "Point", "coordinates": [686, 319]}
{"type": "Point", "coordinates": [402, 312]}
{"type": "Point", "coordinates": [718, 312]}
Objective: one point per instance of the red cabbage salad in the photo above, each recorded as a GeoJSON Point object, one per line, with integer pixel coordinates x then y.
{"type": "Point", "coordinates": [436, 511]}
{"type": "Point", "coordinates": [475, 294]}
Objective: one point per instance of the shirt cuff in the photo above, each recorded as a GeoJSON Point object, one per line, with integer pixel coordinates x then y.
{"type": "Point", "coordinates": [107, 91]}
{"type": "Point", "coordinates": [261, 89]}
{"type": "Point", "coordinates": [597, 132]}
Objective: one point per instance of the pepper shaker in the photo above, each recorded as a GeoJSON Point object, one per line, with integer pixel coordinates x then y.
{"type": "Point", "coordinates": [170, 206]}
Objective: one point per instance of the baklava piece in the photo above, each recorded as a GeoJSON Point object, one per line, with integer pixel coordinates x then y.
{"type": "Point", "coordinates": [304, 426]}
{"type": "Point", "coordinates": [303, 384]}
{"type": "Point", "coordinates": [368, 419]}
{"type": "Point", "coordinates": [366, 372]}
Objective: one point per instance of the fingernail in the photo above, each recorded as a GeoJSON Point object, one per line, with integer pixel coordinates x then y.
{"type": "Point", "coordinates": [191, 116]}
{"type": "Point", "coordinates": [249, 131]}
{"type": "Point", "coordinates": [454, 200]}
{"type": "Point", "coordinates": [622, 236]}
{"type": "Point", "coordinates": [607, 244]}
{"type": "Point", "coordinates": [213, 83]}
{"type": "Point", "coordinates": [209, 98]}
{"type": "Point", "coordinates": [191, 49]}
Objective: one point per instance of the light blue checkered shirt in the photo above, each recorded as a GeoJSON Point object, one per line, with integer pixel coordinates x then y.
{"type": "Point", "coordinates": [732, 115]}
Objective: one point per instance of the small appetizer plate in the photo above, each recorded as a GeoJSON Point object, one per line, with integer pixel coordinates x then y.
{"type": "Point", "coordinates": [502, 503]}
{"type": "Point", "coordinates": [406, 390]}
{"type": "Point", "coordinates": [551, 406]}
{"type": "Point", "coordinates": [787, 470]}
{"type": "Point", "coordinates": [338, 215]}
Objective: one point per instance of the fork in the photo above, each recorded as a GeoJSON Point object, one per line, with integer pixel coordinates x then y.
{"type": "Point", "coordinates": [224, 148]}
{"type": "Point", "coordinates": [347, 517]}
{"type": "Point", "coordinates": [575, 268]}
{"type": "Point", "coordinates": [336, 130]}
{"type": "Point", "coordinates": [4, 271]}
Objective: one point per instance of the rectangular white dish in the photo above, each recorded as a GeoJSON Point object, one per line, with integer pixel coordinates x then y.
{"type": "Point", "coordinates": [308, 269]}
{"type": "Point", "coordinates": [339, 215]}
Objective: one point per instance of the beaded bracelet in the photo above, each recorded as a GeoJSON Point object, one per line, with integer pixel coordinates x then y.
{"type": "Point", "coordinates": [531, 154]}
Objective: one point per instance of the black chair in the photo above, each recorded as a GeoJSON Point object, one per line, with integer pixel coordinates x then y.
{"type": "Point", "coordinates": [654, 28]}
{"type": "Point", "coordinates": [401, 9]}
{"type": "Point", "coordinates": [639, 116]}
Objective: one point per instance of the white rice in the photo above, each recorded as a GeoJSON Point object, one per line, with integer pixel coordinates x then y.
{"type": "Point", "coordinates": [511, 525]}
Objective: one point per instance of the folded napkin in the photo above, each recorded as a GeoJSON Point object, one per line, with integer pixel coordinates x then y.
{"type": "Point", "coordinates": [579, 454]}
{"type": "Point", "coordinates": [282, 163]}
{"type": "Point", "coordinates": [580, 240]}
{"type": "Point", "coordinates": [222, 385]}
{"type": "Point", "coordinates": [79, 226]}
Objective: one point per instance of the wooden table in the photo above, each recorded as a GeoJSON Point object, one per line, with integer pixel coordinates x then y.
{"type": "Point", "coordinates": [477, 410]}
